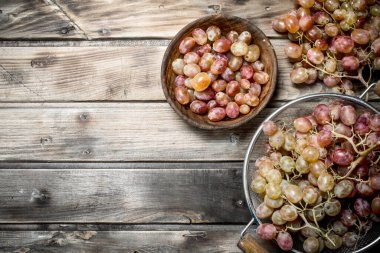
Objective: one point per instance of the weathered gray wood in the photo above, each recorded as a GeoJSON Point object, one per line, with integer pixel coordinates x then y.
{"type": "Point", "coordinates": [34, 20]}
{"type": "Point", "coordinates": [184, 239]}
{"type": "Point", "coordinates": [22, 19]}
{"type": "Point", "coordinates": [122, 193]}
{"type": "Point", "coordinates": [113, 132]}
{"type": "Point", "coordinates": [112, 70]}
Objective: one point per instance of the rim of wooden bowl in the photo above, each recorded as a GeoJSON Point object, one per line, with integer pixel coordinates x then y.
{"type": "Point", "coordinates": [228, 21]}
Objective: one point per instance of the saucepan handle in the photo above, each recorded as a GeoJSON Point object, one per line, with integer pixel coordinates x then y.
{"type": "Point", "coordinates": [248, 243]}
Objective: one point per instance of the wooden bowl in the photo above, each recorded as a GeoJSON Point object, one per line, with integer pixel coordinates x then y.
{"type": "Point", "coordinates": [225, 23]}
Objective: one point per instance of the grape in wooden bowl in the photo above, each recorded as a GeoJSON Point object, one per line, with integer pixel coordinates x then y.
{"type": "Point", "coordinates": [219, 72]}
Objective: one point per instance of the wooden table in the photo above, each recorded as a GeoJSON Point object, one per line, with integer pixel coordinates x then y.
{"type": "Point", "coordinates": [93, 159]}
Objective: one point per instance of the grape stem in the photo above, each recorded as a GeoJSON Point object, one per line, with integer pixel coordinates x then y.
{"type": "Point", "coordinates": [355, 163]}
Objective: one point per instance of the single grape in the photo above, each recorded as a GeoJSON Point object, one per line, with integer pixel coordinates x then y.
{"type": "Point", "coordinates": [228, 75]}
{"type": "Point", "coordinates": [306, 23]}
{"type": "Point", "coordinates": [266, 231]}
{"type": "Point", "coordinates": [301, 144]}
{"type": "Point", "coordinates": [218, 66]}
{"type": "Point", "coordinates": [263, 211]}
{"type": "Point", "coordinates": [235, 62]}
{"type": "Point", "coordinates": [314, 33]}
{"type": "Point", "coordinates": [276, 218]}
{"type": "Point", "coordinates": [222, 45]}
{"type": "Point", "coordinates": [233, 88]}
{"type": "Point", "coordinates": [261, 77]}
{"type": "Point", "coordinates": [315, 56]}
{"type": "Point", "coordinates": [293, 193]}
{"type": "Point", "coordinates": [191, 70]}
{"type": "Point", "coordinates": [232, 110]}
{"type": "Point", "coordinates": [362, 207]}
{"type": "Point", "coordinates": [239, 98]}
{"type": "Point", "coordinates": [348, 218]}
{"type": "Point", "coordinates": [201, 81]}
{"type": "Point", "coordinates": [213, 33]}
{"type": "Point", "coordinates": [180, 80]}
{"type": "Point", "coordinates": [375, 205]}
{"type": "Point", "coordinates": [361, 125]}
{"type": "Point", "coordinates": [198, 107]}
{"type": "Point", "coordinates": [181, 95]}
{"type": "Point", "coordinates": [302, 125]}
{"type": "Point", "coordinates": [258, 184]}
{"type": "Point", "coordinates": [219, 85]}
{"type": "Point", "coordinates": [186, 45]}
{"type": "Point", "coordinates": [284, 241]}
{"type": "Point", "coordinates": [322, 114]}
{"type": "Point", "coordinates": [269, 128]}
{"type": "Point", "coordinates": [374, 181]}
{"type": "Point", "coordinates": [325, 182]}
{"type": "Point", "coordinates": [316, 214]}
{"type": "Point", "coordinates": [343, 129]}
{"type": "Point", "coordinates": [310, 195]}
{"type": "Point", "coordinates": [350, 239]}
{"type": "Point", "coordinates": [310, 154]}
{"type": "Point", "coordinates": [289, 145]}
{"type": "Point", "coordinates": [335, 242]}
{"type": "Point", "coordinates": [324, 138]}
{"type": "Point", "coordinates": [330, 65]}
{"type": "Point", "coordinates": [321, 18]}
{"type": "Point", "coordinates": [374, 122]}
{"type": "Point", "coordinates": [312, 179]}
{"type": "Point", "coordinates": [364, 189]}
{"type": "Point", "coordinates": [206, 61]}
{"type": "Point", "coordinates": [301, 165]}
{"type": "Point", "coordinates": [232, 36]}
{"type": "Point", "coordinates": [274, 176]}
{"type": "Point", "coordinates": [291, 23]}
{"type": "Point", "coordinates": [331, 5]}
{"type": "Point", "coordinates": [244, 109]}
{"type": "Point", "coordinates": [343, 44]}
{"type": "Point", "coordinates": [287, 163]}
{"type": "Point", "coordinates": [331, 29]}
{"type": "Point", "coordinates": [299, 75]}
{"type": "Point", "coordinates": [311, 245]}
{"type": "Point", "coordinates": [222, 99]}
{"type": "Point", "coordinates": [306, 3]}
{"type": "Point", "coordinates": [293, 51]}
{"type": "Point", "coordinates": [350, 63]}
{"type": "Point", "coordinates": [178, 65]}
{"type": "Point", "coordinates": [343, 188]}
{"type": "Point", "coordinates": [273, 190]}
{"type": "Point", "coordinates": [317, 168]}
{"type": "Point", "coordinates": [245, 36]}
{"type": "Point", "coordinates": [342, 157]}
{"type": "Point", "coordinates": [277, 140]}
{"type": "Point", "coordinates": [331, 81]}
{"type": "Point", "coordinates": [199, 36]}
{"type": "Point", "coordinates": [239, 48]}
{"type": "Point", "coordinates": [288, 213]}
{"type": "Point", "coordinates": [360, 36]}
{"type": "Point", "coordinates": [339, 228]}
{"type": "Point", "coordinates": [203, 49]}
{"type": "Point", "coordinates": [258, 66]}
{"type": "Point", "coordinates": [278, 25]}
{"type": "Point", "coordinates": [251, 100]}
{"type": "Point", "coordinates": [216, 114]}
{"type": "Point", "coordinates": [191, 57]}
{"type": "Point", "coordinates": [332, 207]}
{"type": "Point", "coordinates": [253, 53]}
{"type": "Point", "coordinates": [273, 203]}
{"type": "Point", "coordinates": [246, 71]}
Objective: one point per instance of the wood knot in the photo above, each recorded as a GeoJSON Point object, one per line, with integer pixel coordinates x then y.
{"type": "Point", "coordinates": [43, 62]}
{"type": "Point", "coordinates": [87, 151]}
{"type": "Point", "coordinates": [239, 203]}
{"type": "Point", "coordinates": [213, 9]}
{"type": "Point", "coordinates": [39, 196]}
{"type": "Point", "coordinates": [234, 138]}
{"type": "Point", "coordinates": [46, 140]}
{"type": "Point", "coordinates": [84, 116]}
{"type": "Point", "coordinates": [104, 32]}
{"type": "Point", "coordinates": [67, 30]}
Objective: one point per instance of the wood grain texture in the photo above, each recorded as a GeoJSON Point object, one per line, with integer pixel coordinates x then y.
{"type": "Point", "coordinates": [124, 19]}
{"type": "Point", "coordinates": [36, 20]}
{"type": "Point", "coordinates": [113, 132]}
{"type": "Point", "coordinates": [122, 193]}
{"type": "Point", "coordinates": [109, 71]}
{"type": "Point", "coordinates": [185, 239]}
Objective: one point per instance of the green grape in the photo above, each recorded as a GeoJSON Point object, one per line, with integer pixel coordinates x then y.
{"type": "Point", "coordinates": [287, 164]}
{"type": "Point", "coordinates": [302, 166]}
{"type": "Point", "coordinates": [258, 184]}
{"type": "Point", "coordinates": [273, 190]}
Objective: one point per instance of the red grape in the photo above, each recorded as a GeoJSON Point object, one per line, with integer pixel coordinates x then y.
{"type": "Point", "coordinates": [344, 44]}
{"type": "Point", "coordinates": [291, 23]}
{"type": "Point", "coordinates": [375, 205]}
{"type": "Point", "coordinates": [278, 25]}
{"type": "Point", "coordinates": [222, 45]}
{"type": "Point", "coordinates": [216, 114]}
{"type": "Point", "coordinates": [350, 63]}
{"type": "Point", "coordinates": [374, 181]}
{"type": "Point", "coordinates": [348, 115]}
{"type": "Point", "coordinates": [284, 241]}
{"type": "Point", "coordinates": [322, 114]}
{"type": "Point", "coordinates": [342, 157]}
{"type": "Point", "coordinates": [232, 110]}
{"type": "Point", "coordinates": [360, 36]}
{"type": "Point", "coordinates": [348, 218]}
{"type": "Point", "coordinates": [364, 189]}
{"type": "Point", "coordinates": [266, 231]}
{"type": "Point", "coordinates": [374, 122]}
{"type": "Point", "coordinates": [361, 126]}
{"type": "Point", "coordinates": [362, 207]}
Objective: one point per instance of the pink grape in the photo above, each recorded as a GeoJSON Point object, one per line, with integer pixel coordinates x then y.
{"type": "Point", "coordinates": [269, 128]}
{"type": "Point", "coordinates": [360, 36]}
{"type": "Point", "coordinates": [350, 63]}
{"type": "Point", "coordinates": [315, 56]}
{"type": "Point", "coordinates": [348, 115]}
{"type": "Point", "coordinates": [374, 122]}
{"type": "Point", "coordinates": [216, 114]}
{"type": "Point", "coordinates": [343, 44]}
{"type": "Point", "coordinates": [322, 114]}
{"type": "Point", "coordinates": [362, 207]}
{"type": "Point", "coordinates": [266, 231]}
{"type": "Point", "coordinates": [374, 182]}
{"type": "Point", "coordinates": [302, 125]}
{"type": "Point", "coordinates": [284, 241]}
{"type": "Point", "coordinates": [361, 126]}
{"type": "Point", "coordinates": [348, 218]}
{"type": "Point", "coordinates": [342, 157]}
{"type": "Point", "coordinates": [299, 75]}
{"type": "Point", "coordinates": [232, 110]}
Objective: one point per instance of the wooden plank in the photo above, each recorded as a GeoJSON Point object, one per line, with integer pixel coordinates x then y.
{"type": "Point", "coordinates": [113, 132]}
{"type": "Point", "coordinates": [122, 193]}
{"type": "Point", "coordinates": [188, 239]}
{"type": "Point", "coordinates": [124, 19]}
{"type": "Point", "coordinates": [117, 132]}
{"type": "Point", "coordinates": [35, 20]}
{"type": "Point", "coordinates": [109, 71]}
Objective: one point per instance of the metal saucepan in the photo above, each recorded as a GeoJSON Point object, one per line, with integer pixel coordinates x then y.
{"type": "Point", "coordinates": [286, 113]}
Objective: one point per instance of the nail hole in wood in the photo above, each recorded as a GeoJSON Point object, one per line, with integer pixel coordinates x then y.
{"type": "Point", "coordinates": [84, 116]}
{"type": "Point", "coordinates": [267, 8]}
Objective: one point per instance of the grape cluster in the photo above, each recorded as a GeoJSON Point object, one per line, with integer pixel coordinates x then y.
{"type": "Point", "coordinates": [333, 41]}
{"type": "Point", "coordinates": [320, 178]}
{"type": "Point", "coordinates": [219, 75]}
